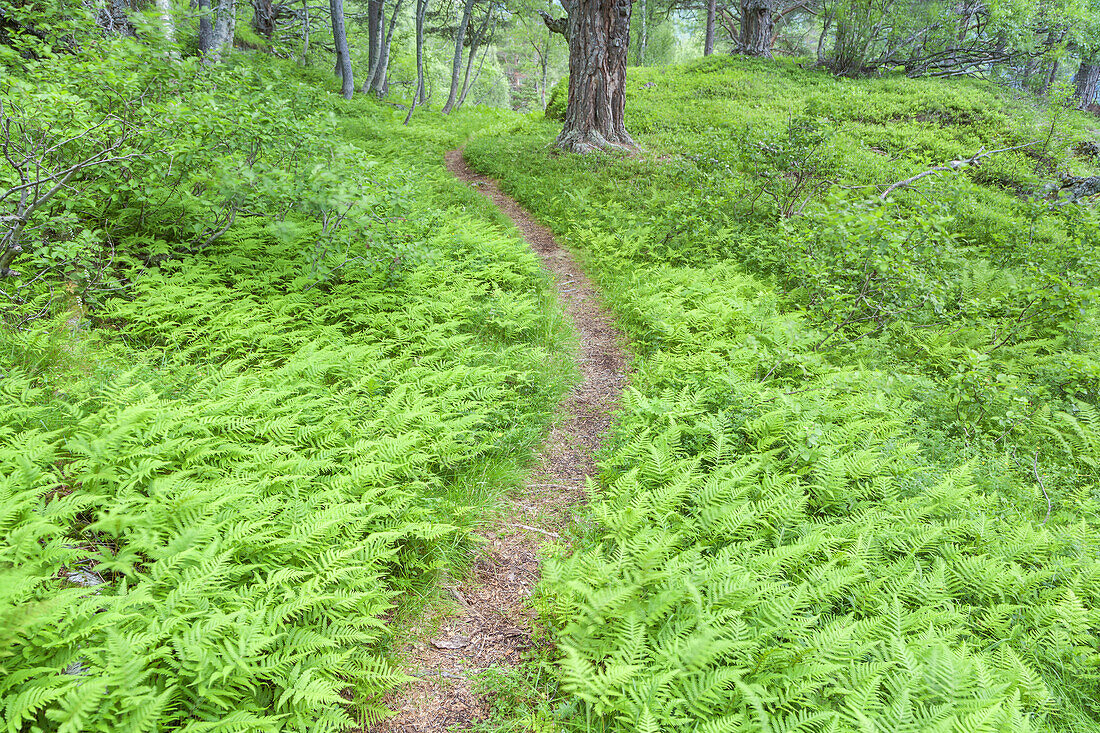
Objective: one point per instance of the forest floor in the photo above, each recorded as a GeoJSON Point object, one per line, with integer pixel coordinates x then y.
{"type": "Point", "coordinates": [491, 626]}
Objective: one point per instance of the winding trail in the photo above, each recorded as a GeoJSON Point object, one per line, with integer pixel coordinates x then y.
{"type": "Point", "coordinates": [493, 626]}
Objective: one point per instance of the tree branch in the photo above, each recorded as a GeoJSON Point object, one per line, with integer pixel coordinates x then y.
{"type": "Point", "coordinates": [953, 165]}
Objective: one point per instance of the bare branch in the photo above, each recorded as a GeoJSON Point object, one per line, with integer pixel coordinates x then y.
{"type": "Point", "coordinates": [953, 165]}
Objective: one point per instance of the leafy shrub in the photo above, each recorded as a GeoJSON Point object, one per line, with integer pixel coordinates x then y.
{"type": "Point", "coordinates": [558, 100]}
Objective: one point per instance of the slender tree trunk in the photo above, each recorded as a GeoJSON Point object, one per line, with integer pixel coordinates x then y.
{"type": "Point", "coordinates": [343, 56]}
{"type": "Point", "coordinates": [305, 30]}
{"type": "Point", "coordinates": [757, 24]}
{"type": "Point", "coordinates": [206, 28]}
{"type": "Point", "coordinates": [375, 10]}
{"type": "Point", "coordinates": [544, 62]}
{"type": "Point", "coordinates": [456, 64]}
{"type": "Point", "coordinates": [1051, 76]}
{"type": "Point", "coordinates": [224, 29]}
{"type": "Point", "coordinates": [421, 11]}
{"type": "Point", "coordinates": [1086, 83]}
{"type": "Point", "coordinates": [599, 32]}
{"type": "Point", "coordinates": [475, 43]}
{"type": "Point", "coordinates": [164, 9]}
{"type": "Point", "coordinates": [708, 43]}
{"type": "Point", "coordinates": [379, 82]}
{"type": "Point", "coordinates": [469, 82]}
{"type": "Point", "coordinates": [643, 35]}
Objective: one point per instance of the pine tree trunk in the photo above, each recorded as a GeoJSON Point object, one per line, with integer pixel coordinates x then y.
{"type": "Point", "coordinates": [1086, 83]}
{"type": "Point", "coordinates": [456, 65]}
{"type": "Point", "coordinates": [757, 24]}
{"type": "Point", "coordinates": [340, 38]}
{"type": "Point", "coordinates": [599, 32]}
{"type": "Point", "coordinates": [708, 43]}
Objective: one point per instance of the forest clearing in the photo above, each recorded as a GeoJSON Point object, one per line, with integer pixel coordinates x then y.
{"type": "Point", "coordinates": [599, 366]}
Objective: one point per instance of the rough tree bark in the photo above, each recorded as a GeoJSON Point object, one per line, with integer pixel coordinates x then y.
{"type": "Point", "coordinates": [343, 56]}
{"type": "Point", "coordinates": [599, 32]}
{"type": "Point", "coordinates": [263, 18]}
{"type": "Point", "coordinates": [757, 25]}
{"type": "Point", "coordinates": [456, 65]}
{"type": "Point", "coordinates": [375, 12]}
{"type": "Point", "coordinates": [224, 29]}
{"type": "Point", "coordinates": [708, 42]}
{"type": "Point", "coordinates": [1086, 83]}
{"type": "Point", "coordinates": [206, 28]}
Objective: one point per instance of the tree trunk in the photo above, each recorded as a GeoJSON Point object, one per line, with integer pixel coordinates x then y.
{"type": "Point", "coordinates": [708, 43]}
{"type": "Point", "coordinates": [379, 82]}
{"type": "Point", "coordinates": [643, 38]}
{"type": "Point", "coordinates": [421, 11]}
{"type": "Point", "coordinates": [375, 11]}
{"type": "Point", "coordinates": [224, 29]}
{"type": "Point", "coordinates": [757, 24]}
{"type": "Point", "coordinates": [164, 9]}
{"type": "Point", "coordinates": [544, 63]}
{"type": "Point", "coordinates": [206, 28]}
{"type": "Point", "coordinates": [475, 43]}
{"type": "Point", "coordinates": [456, 65]}
{"type": "Point", "coordinates": [599, 32]}
{"type": "Point", "coordinates": [305, 30]}
{"type": "Point", "coordinates": [469, 82]}
{"type": "Point", "coordinates": [1085, 83]}
{"type": "Point", "coordinates": [340, 38]}
{"type": "Point", "coordinates": [263, 18]}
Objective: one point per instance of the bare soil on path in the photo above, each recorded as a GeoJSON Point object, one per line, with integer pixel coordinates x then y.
{"type": "Point", "coordinates": [492, 627]}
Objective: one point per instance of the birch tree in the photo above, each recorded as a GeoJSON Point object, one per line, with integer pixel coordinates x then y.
{"type": "Point", "coordinates": [343, 56]}
{"type": "Point", "coordinates": [225, 27]}
{"type": "Point", "coordinates": [456, 64]}
{"type": "Point", "coordinates": [164, 10]}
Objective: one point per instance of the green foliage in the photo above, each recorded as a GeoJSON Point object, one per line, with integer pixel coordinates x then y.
{"type": "Point", "coordinates": [558, 99]}
{"type": "Point", "coordinates": [854, 486]}
{"type": "Point", "coordinates": [226, 467]}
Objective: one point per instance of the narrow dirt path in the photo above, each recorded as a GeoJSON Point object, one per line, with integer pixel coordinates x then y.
{"type": "Point", "coordinates": [493, 628]}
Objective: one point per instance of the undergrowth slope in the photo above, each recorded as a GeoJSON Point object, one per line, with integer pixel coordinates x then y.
{"type": "Point", "coordinates": [219, 491]}
{"type": "Point", "coordinates": [854, 486]}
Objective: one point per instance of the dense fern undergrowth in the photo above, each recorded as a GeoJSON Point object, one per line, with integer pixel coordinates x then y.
{"type": "Point", "coordinates": [228, 463]}
{"type": "Point", "coordinates": [854, 486]}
